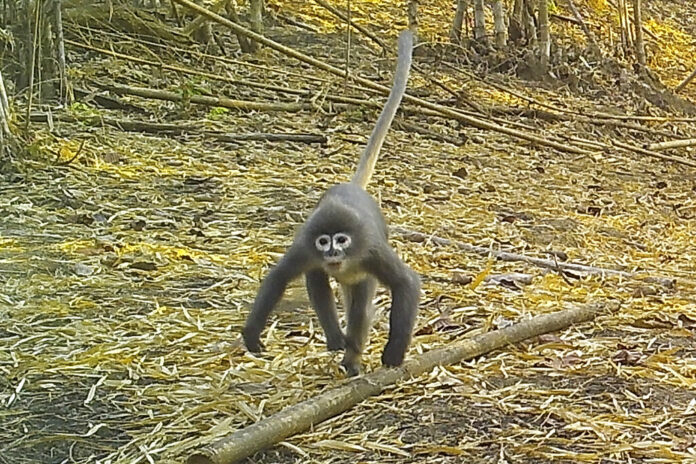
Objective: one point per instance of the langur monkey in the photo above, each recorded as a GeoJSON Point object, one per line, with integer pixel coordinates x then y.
{"type": "Point", "coordinates": [346, 237]}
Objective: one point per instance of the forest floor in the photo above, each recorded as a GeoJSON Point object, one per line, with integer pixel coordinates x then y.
{"type": "Point", "coordinates": [128, 260]}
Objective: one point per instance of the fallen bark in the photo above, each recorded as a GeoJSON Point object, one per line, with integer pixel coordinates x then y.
{"type": "Point", "coordinates": [299, 417]}
{"type": "Point", "coordinates": [541, 262]}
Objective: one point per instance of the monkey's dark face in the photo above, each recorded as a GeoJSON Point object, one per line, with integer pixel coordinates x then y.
{"type": "Point", "coordinates": [334, 248]}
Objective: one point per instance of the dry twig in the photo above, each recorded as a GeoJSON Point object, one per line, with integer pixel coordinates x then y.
{"type": "Point", "coordinates": [685, 82]}
{"type": "Point", "coordinates": [165, 128]}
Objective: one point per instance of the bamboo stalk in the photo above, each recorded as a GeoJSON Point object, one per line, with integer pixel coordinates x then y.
{"type": "Point", "coordinates": [671, 144]}
{"type": "Point", "coordinates": [301, 416]}
{"type": "Point", "coordinates": [208, 101]}
{"type": "Point", "coordinates": [686, 81]}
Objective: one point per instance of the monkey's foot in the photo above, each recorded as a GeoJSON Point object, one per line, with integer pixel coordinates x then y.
{"type": "Point", "coordinates": [392, 357]}
{"type": "Point", "coordinates": [351, 369]}
{"type": "Point", "coordinates": [351, 363]}
{"type": "Point", "coordinates": [252, 342]}
{"type": "Point", "coordinates": [336, 343]}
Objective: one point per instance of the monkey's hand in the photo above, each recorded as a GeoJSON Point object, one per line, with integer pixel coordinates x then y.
{"type": "Point", "coordinates": [393, 355]}
{"type": "Point", "coordinates": [251, 340]}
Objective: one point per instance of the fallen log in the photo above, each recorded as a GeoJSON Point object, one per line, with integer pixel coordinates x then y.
{"type": "Point", "coordinates": [301, 416]}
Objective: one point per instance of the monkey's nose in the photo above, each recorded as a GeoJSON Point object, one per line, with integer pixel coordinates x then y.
{"type": "Point", "coordinates": [333, 253]}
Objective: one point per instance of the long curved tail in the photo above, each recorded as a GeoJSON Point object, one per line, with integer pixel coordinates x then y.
{"type": "Point", "coordinates": [369, 157]}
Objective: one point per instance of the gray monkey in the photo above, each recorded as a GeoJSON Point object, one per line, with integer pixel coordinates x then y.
{"type": "Point", "coordinates": [346, 238]}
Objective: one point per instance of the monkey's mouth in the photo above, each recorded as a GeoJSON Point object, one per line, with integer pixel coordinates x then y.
{"type": "Point", "coordinates": [333, 266]}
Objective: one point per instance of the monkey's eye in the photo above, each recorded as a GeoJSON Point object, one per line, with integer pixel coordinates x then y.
{"type": "Point", "coordinates": [323, 243]}
{"type": "Point", "coordinates": [341, 241]}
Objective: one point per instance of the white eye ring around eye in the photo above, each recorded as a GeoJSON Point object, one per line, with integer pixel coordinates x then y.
{"type": "Point", "coordinates": [341, 241]}
{"type": "Point", "coordinates": [323, 243]}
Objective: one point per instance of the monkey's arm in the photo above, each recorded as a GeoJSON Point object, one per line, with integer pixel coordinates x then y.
{"type": "Point", "coordinates": [404, 285]}
{"type": "Point", "coordinates": [290, 266]}
{"type": "Point", "coordinates": [323, 302]}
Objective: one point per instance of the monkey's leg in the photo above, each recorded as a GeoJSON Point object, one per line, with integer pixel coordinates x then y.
{"type": "Point", "coordinates": [323, 302]}
{"type": "Point", "coordinates": [359, 313]}
{"type": "Point", "coordinates": [290, 266]}
{"type": "Point", "coordinates": [405, 291]}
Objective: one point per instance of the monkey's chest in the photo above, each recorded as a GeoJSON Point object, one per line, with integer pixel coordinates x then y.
{"type": "Point", "coordinates": [346, 275]}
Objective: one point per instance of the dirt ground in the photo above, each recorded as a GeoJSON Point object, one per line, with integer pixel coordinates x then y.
{"type": "Point", "coordinates": [127, 271]}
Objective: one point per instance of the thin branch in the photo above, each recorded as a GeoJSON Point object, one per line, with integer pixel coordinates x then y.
{"type": "Point", "coordinates": [74, 157]}
{"type": "Point", "coordinates": [653, 154]}
{"type": "Point", "coordinates": [596, 115]}
{"type": "Point", "coordinates": [541, 262]}
{"type": "Point", "coordinates": [588, 33]}
{"type": "Point", "coordinates": [208, 101]}
{"type": "Point", "coordinates": [357, 26]}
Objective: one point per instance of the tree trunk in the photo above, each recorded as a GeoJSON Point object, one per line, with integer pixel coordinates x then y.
{"type": "Point", "coordinates": [625, 25]}
{"type": "Point", "coordinates": [4, 111]}
{"type": "Point", "coordinates": [544, 35]}
{"type": "Point", "coordinates": [515, 29]}
{"type": "Point", "coordinates": [33, 54]}
{"type": "Point", "coordinates": [530, 29]}
{"type": "Point", "coordinates": [456, 32]}
{"type": "Point", "coordinates": [4, 120]}
{"type": "Point", "coordinates": [479, 21]}
{"type": "Point", "coordinates": [256, 20]}
{"type": "Point", "coordinates": [499, 17]}
{"type": "Point", "coordinates": [64, 90]}
{"type": "Point", "coordinates": [638, 30]}
{"type": "Point", "coordinates": [413, 15]}
{"type": "Point", "coordinates": [244, 43]}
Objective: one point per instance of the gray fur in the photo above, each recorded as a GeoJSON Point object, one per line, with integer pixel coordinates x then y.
{"type": "Point", "coordinates": [379, 133]}
{"type": "Point", "coordinates": [347, 210]}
